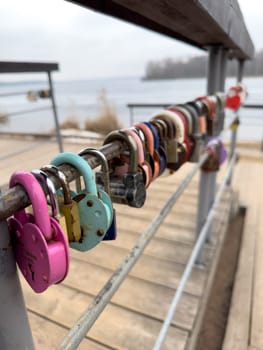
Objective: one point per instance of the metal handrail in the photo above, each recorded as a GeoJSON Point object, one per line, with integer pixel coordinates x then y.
{"type": "Point", "coordinates": [16, 198]}
{"type": "Point", "coordinates": [20, 93]}
{"type": "Point", "coordinates": [15, 67]}
{"type": "Point", "coordinates": [195, 252]}
{"type": "Point", "coordinates": [10, 94]}
{"type": "Point", "coordinates": [152, 105]}
{"type": "Point", "coordinates": [85, 322]}
{"type": "Point", "coordinates": [27, 111]}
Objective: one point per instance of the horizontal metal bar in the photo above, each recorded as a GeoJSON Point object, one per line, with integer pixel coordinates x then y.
{"type": "Point", "coordinates": [16, 198]}
{"type": "Point", "coordinates": [30, 67]}
{"type": "Point", "coordinates": [27, 111]}
{"type": "Point", "coordinates": [81, 327]}
{"type": "Point", "coordinates": [195, 252]}
{"type": "Point", "coordinates": [164, 105]}
{"type": "Point", "coordinates": [253, 106]}
{"type": "Point", "coordinates": [18, 93]}
{"type": "Point", "coordinates": [148, 105]}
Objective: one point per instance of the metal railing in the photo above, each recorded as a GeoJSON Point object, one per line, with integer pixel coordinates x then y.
{"type": "Point", "coordinates": [21, 67]}
{"type": "Point", "coordinates": [81, 327]}
{"type": "Point", "coordinates": [16, 198]}
{"type": "Point", "coordinates": [195, 253]}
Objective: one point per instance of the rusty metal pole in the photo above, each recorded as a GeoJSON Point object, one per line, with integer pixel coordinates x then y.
{"type": "Point", "coordinates": [15, 331]}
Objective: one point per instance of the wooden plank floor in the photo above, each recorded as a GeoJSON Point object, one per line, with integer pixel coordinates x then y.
{"type": "Point", "coordinates": [133, 318]}
{"type": "Point", "coordinates": [245, 322]}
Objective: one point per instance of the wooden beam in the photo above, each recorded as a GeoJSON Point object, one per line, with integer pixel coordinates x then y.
{"type": "Point", "coordinates": [197, 22]}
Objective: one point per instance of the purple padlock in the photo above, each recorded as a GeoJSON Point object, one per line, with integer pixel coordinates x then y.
{"type": "Point", "coordinates": [40, 246]}
{"type": "Point", "coordinates": [218, 154]}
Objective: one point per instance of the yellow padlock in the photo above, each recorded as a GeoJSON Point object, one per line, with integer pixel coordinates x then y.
{"type": "Point", "coordinates": [68, 207]}
{"type": "Point", "coordinates": [234, 125]}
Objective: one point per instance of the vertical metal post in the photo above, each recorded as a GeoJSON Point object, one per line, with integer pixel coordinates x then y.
{"type": "Point", "coordinates": [15, 331]}
{"type": "Point", "coordinates": [207, 183]}
{"type": "Point", "coordinates": [59, 138]}
{"type": "Point", "coordinates": [233, 141]}
{"type": "Point", "coordinates": [131, 116]}
{"type": "Point", "coordinates": [240, 70]}
{"type": "Point", "coordinates": [222, 79]}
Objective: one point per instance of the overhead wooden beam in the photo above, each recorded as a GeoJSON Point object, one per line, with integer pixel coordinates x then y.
{"type": "Point", "coordinates": [201, 23]}
{"type": "Point", "coordinates": [27, 67]}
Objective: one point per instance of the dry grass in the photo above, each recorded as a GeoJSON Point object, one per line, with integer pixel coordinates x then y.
{"type": "Point", "coordinates": [4, 118]}
{"type": "Point", "coordinates": [70, 123]}
{"type": "Point", "coordinates": [107, 119]}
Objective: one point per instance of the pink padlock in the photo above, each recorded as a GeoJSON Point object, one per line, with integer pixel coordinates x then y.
{"type": "Point", "coordinates": [145, 166]}
{"type": "Point", "coordinates": [40, 246]}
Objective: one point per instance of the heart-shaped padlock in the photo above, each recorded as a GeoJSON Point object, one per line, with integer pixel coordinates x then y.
{"type": "Point", "coordinates": [104, 195]}
{"type": "Point", "coordinates": [40, 246]}
{"type": "Point", "coordinates": [218, 154]}
{"type": "Point", "coordinates": [95, 215]}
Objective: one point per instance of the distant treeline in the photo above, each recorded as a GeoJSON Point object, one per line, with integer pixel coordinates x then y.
{"type": "Point", "coordinates": [195, 67]}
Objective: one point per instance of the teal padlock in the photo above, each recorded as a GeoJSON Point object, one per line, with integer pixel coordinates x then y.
{"type": "Point", "coordinates": [95, 216]}
{"type": "Point", "coordinates": [104, 195]}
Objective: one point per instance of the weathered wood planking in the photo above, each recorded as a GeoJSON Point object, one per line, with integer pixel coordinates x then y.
{"type": "Point", "coordinates": [256, 333]}
{"type": "Point", "coordinates": [133, 319]}
{"type": "Point", "coordinates": [116, 327]}
{"type": "Point", "coordinates": [245, 317]}
{"type": "Point", "coordinates": [152, 269]}
{"type": "Point", "coordinates": [33, 157]}
{"type": "Point", "coordinates": [196, 22]}
{"type": "Point", "coordinates": [47, 334]}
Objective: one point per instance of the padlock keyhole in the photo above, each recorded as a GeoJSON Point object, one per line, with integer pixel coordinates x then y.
{"type": "Point", "coordinates": [32, 272]}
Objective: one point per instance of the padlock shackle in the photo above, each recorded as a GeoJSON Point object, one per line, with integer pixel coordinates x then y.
{"type": "Point", "coordinates": [45, 181]}
{"type": "Point", "coordinates": [104, 165]}
{"type": "Point", "coordinates": [210, 105]}
{"type": "Point", "coordinates": [179, 125]}
{"type": "Point", "coordinates": [145, 166]}
{"type": "Point", "coordinates": [171, 130]}
{"type": "Point", "coordinates": [37, 198]}
{"type": "Point", "coordinates": [189, 118]}
{"type": "Point", "coordinates": [81, 165]}
{"type": "Point", "coordinates": [221, 100]}
{"type": "Point", "coordinates": [195, 112]}
{"type": "Point", "coordinates": [184, 120]}
{"type": "Point", "coordinates": [148, 136]}
{"type": "Point", "coordinates": [131, 144]}
{"type": "Point", "coordinates": [154, 133]}
{"type": "Point", "coordinates": [159, 127]}
{"type": "Point", "coordinates": [53, 170]}
{"type": "Point", "coordinates": [139, 144]}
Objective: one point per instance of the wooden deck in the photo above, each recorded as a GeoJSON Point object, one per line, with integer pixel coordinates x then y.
{"type": "Point", "coordinates": [133, 318]}
{"type": "Point", "coordinates": [245, 322]}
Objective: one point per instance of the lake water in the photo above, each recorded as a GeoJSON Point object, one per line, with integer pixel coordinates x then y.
{"type": "Point", "coordinates": [80, 99]}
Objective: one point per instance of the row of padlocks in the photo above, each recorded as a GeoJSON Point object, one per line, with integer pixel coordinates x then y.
{"type": "Point", "coordinates": [79, 217]}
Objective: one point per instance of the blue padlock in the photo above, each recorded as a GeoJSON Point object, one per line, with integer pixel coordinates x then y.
{"type": "Point", "coordinates": [159, 148]}
{"type": "Point", "coordinates": [95, 215]}
{"type": "Point", "coordinates": [111, 234]}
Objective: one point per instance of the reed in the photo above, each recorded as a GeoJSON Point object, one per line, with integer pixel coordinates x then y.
{"type": "Point", "coordinates": [4, 118]}
{"type": "Point", "coordinates": [106, 120]}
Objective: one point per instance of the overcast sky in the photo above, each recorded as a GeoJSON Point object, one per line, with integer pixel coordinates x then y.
{"type": "Point", "coordinates": [90, 45]}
